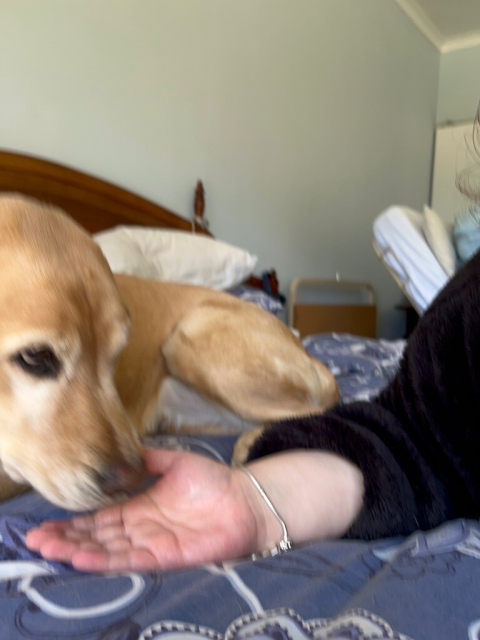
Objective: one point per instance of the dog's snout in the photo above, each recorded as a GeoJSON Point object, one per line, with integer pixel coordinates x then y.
{"type": "Point", "coordinates": [121, 477]}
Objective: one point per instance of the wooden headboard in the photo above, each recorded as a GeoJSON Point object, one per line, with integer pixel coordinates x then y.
{"type": "Point", "coordinates": [97, 204]}
{"type": "Point", "coordinates": [92, 202]}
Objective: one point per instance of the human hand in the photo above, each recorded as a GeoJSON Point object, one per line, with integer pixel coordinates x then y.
{"type": "Point", "coordinates": [198, 511]}
{"type": "Point", "coordinates": [201, 511]}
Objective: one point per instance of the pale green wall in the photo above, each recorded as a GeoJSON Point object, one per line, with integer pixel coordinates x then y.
{"type": "Point", "coordinates": [459, 85]}
{"type": "Point", "coordinates": [305, 119]}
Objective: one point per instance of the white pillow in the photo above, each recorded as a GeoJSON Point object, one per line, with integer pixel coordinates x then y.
{"type": "Point", "coordinates": [123, 255]}
{"type": "Point", "coordinates": [439, 240]}
{"type": "Point", "coordinates": [178, 256]}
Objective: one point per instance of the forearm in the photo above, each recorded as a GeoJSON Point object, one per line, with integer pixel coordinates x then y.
{"type": "Point", "coordinates": [400, 492]}
{"type": "Point", "coordinates": [318, 494]}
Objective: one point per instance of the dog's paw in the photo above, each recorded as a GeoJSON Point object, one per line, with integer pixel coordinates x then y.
{"type": "Point", "coordinates": [243, 445]}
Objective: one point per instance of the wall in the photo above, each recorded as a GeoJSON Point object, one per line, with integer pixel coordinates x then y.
{"type": "Point", "coordinates": [459, 85]}
{"type": "Point", "coordinates": [304, 119]}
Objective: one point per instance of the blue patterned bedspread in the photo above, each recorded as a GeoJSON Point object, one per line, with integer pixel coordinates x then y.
{"type": "Point", "coordinates": [424, 587]}
{"type": "Point", "coordinates": [362, 366]}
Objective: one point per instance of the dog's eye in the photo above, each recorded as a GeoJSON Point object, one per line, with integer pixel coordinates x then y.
{"type": "Point", "coordinates": [40, 362]}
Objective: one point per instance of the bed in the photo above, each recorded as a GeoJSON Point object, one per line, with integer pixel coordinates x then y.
{"type": "Point", "coordinates": [422, 587]}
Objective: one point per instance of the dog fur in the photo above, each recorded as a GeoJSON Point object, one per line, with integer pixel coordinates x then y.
{"type": "Point", "coordinates": [91, 362]}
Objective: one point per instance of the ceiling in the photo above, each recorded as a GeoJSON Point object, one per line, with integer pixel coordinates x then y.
{"type": "Point", "coordinates": [449, 24]}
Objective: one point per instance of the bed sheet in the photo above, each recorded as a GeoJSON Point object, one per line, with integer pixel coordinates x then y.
{"type": "Point", "coordinates": [399, 237]}
{"type": "Point", "coordinates": [361, 366]}
{"type": "Point", "coordinates": [423, 587]}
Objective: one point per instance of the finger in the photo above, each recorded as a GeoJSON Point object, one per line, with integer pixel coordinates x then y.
{"type": "Point", "coordinates": [36, 537]}
{"type": "Point", "coordinates": [73, 534]}
{"type": "Point", "coordinates": [90, 545]}
{"type": "Point", "coordinates": [118, 545]}
{"type": "Point", "coordinates": [136, 560]}
{"type": "Point", "coordinates": [83, 531]}
{"type": "Point", "coordinates": [106, 517]}
{"type": "Point", "coordinates": [83, 523]}
{"type": "Point", "coordinates": [158, 461]}
{"type": "Point", "coordinates": [109, 533]}
{"type": "Point", "coordinates": [58, 549]}
{"type": "Point", "coordinates": [55, 525]}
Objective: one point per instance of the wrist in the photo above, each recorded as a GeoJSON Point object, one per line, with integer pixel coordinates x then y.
{"type": "Point", "coordinates": [285, 543]}
{"type": "Point", "coordinates": [270, 529]}
{"type": "Point", "coordinates": [317, 494]}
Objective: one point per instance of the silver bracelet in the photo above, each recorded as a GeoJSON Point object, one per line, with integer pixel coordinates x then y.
{"type": "Point", "coordinates": [285, 543]}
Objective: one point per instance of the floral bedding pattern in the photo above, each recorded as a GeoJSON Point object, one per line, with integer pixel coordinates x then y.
{"type": "Point", "coordinates": [272, 304]}
{"type": "Point", "coordinates": [424, 587]}
{"type": "Point", "coordinates": [362, 366]}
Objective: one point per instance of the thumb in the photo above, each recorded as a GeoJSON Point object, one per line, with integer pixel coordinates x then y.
{"type": "Point", "coordinates": [159, 461]}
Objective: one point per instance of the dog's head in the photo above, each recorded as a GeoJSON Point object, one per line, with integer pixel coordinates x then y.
{"type": "Point", "coordinates": [63, 428]}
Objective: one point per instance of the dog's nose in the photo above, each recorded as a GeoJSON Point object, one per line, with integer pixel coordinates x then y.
{"type": "Point", "coordinates": [121, 477]}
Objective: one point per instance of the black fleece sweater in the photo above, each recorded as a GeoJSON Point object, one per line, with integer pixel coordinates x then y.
{"type": "Point", "coordinates": [418, 443]}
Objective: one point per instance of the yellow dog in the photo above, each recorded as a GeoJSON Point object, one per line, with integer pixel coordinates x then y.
{"type": "Point", "coordinates": [90, 362]}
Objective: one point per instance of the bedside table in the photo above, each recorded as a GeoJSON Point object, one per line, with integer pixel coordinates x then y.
{"type": "Point", "coordinates": [323, 306]}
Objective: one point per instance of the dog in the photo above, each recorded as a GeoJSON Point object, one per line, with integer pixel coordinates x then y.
{"type": "Point", "coordinates": [90, 362]}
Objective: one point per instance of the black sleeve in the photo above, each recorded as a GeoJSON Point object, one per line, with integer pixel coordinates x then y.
{"type": "Point", "coordinates": [417, 444]}
{"type": "Point", "coordinates": [357, 432]}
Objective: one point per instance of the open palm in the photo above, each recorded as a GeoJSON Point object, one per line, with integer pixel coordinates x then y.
{"type": "Point", "coordinates": [196, 512]}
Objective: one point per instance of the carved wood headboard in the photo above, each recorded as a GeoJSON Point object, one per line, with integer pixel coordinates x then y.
{"type": "Point", "coordinates": [97, 204]}
{"type": "Point", "coordinates": [92, 202]}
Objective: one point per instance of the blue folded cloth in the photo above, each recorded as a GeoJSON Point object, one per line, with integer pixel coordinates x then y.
{"type": "Point", "coordinates": [466, 233]}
